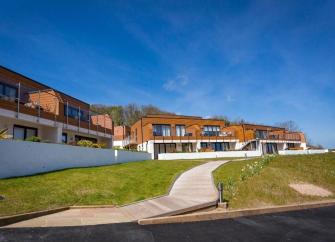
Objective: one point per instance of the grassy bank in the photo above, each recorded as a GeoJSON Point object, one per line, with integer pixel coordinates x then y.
{"type": "Point", "coordinates": [115, 184]}
{"type": "Point", "coordinates": [270, 186]}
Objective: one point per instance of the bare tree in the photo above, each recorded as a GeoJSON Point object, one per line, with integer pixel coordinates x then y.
{"type": "Point", "coordinates": [289, 125]}
{"type": "Point", "coordinates": [223, 118]}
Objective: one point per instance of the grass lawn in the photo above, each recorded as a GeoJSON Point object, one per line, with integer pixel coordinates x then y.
{"type": "Point", "coordinates": [116, 184]}
{"type": "Point", "coordinates": [270, 186]}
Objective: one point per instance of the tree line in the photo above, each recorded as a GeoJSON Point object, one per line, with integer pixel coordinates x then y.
{"type": "Point", "coordinates": [128, 114]}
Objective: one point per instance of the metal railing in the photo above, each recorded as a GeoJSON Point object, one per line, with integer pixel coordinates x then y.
{"type": "Point", "coordinates": [279, 136]}
{"type": "Point", "coordinates": [51, 105]}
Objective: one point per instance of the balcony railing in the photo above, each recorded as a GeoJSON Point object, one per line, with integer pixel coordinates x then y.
{"type": "Point", "coordinates": [129, 141]}
{"type": "Point", "coordinates": [196, 136]}
{"type": "Point", "coordinates": [47, 104]}
{"type": "Point", "coordinates": [283, 136]}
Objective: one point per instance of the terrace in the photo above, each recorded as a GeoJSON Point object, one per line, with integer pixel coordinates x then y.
{"type": "Point", "coordinates": [52, 106]}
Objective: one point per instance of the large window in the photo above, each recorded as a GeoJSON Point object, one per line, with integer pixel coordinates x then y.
{"type": "Point", "coordinates": [164, 148]}
{"type": "Point", "coordinates": [261, 134]}
{"type": "Point", "coordinates": [211, 130]}
{"type": "Point", "coordinates": [8, 92]}
{"type": "Point", "coordinates": [22, 132]}
{"type": "Point", "coordinates": [216, 146]}
{"type": "Point", "coordinates": [73, 112]}
{"type": "Point", "coordinates": [161, 130]}
{"type": "Point", "coordinates": [180, 130]}
{"type": "Point", "coordinates": [64, 138]}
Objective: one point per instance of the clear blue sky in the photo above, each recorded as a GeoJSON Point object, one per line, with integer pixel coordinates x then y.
{"type": "Point", "coordinates": [264, 61]}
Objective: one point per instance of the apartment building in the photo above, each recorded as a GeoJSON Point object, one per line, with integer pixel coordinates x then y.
{"type": "Point", "coordinates": [30, 108]}
{"type": "Point", "coordinates": [121, 136]}
{"type": "Point", "coordinates": [158, 134]}
{"type": "Point", "coordinates": [268, 139]}
{"type": "Point", "coordinates": [178, 133]}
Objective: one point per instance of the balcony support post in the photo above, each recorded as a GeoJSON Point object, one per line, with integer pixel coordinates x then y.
{"type": "Point", "coordinates": [89, 121]}
{"type": "Point", "coordinates": [18, 100]}
{"type": "Point", "coordinates": [39, 106]}
{"type": "Point", "coordinates": [79, 116]}
{"type": "Point", "coordinates": [55, 113]}
{"type": "Point", "coordinates": [105, 123]}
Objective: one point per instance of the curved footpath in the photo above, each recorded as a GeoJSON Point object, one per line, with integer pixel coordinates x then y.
{"type": "Point", "coordinates": [194, 189]}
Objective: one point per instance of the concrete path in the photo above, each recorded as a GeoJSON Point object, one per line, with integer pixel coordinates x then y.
{"type": "Point", "coordinates": [194, 189]}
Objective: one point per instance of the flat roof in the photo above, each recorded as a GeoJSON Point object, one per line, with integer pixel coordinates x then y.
{"type": "Point", "coordinates": [176, 116]}
{"type": "Point", "coordinates": [46, 86]}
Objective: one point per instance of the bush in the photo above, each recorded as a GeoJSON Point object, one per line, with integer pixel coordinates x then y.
{"type": "Point", "coordinates": [85, 143]}
{"type": "Point", "coordinates": [96, 146]}
{"type": "Point", "coordinates": [88, 143]}
{"type": "Point", "coordinates": [33, 139]}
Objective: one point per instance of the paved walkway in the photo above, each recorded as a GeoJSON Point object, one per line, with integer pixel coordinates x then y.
{"type": "Point", "coordinates": [194, 189]}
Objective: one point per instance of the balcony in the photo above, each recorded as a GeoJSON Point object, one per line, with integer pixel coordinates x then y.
{"type": "Point", "coordinates": [206, 136]}
{"type": "Point", "coordinates": [129, 141]}
{"type": "Point", "coordinates": [48, 104]}
{"type": "Point", "coordinates": [276, 136]}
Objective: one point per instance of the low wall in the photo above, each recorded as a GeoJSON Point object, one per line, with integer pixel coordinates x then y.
{"type": "Point", "coordinates": [204, 155]}
{"type": "Point", "coordinates": [301, 152]}
{"type": "Point", "coordinates": [21, 158]}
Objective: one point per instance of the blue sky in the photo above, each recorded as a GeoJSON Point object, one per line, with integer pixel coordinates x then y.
{"type": "Point", "coordinates": [264, 61]}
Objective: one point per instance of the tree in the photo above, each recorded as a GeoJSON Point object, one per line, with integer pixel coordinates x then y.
{"type": "Point", "coordinates": [131, 114]}
{"type": "Point", "coordinates": [116, 112]}
{"type": "Point", "coordinates": [223, 118]}
{"type": "Point", "coordinates": [289, 125]}
{"type": "Point", "coordinates": [128, 114]}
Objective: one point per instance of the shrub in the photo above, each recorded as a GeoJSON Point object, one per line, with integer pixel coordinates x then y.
{"type": "Point", "coordinates": [33, 139]}
{"type": "Point", "coordinates": [95, 146]}
{"type": "Point", "coordinates": [85, 143]}
{"type": "Point", "coordinates": [88, 143]}
{"type": "Point", "coordinates": [3, 133]}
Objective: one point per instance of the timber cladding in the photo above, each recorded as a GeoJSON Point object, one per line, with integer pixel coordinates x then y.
{"type": "Point", "coordinates": [142, 130]}
{"type": "Point", "coordinates": [39, 99]}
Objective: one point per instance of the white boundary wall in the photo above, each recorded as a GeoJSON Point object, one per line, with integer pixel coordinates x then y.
{"type": "Point", "coordinates": [203, 155]}
{"type": "Point", "coordinates": [301, 152]}
{"type": "Point", "coordinates": [21, 158]}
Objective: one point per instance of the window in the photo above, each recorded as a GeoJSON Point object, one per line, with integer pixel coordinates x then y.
{"type": "Point", "coordinates": [73, 112]}
{"type": "Point", "coordinates": [261, 134]}
{"type": "Point", "coordinates": [64, 138]}
{"type": "Point", "coordinates": [216, 146]}
{"type": "Point", "coordinates": [161, 130]}
{"type": "Point", "coordinates": [180, 130]}
{"type": "Point", "coordinates": [187, 147]}
{"type": "Point", "coordinates": [8, 92]}
{"type": "Point", "coordinates": [22, 132]}
{"type": "Point", "coordinates": [211, 130]}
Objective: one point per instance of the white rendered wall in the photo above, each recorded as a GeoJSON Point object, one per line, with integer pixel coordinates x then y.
{"type": "Point", "coordinates": [301, 152]}
{"type": "Point", "coordinates": [48, 129]}
{"type": "Point", "coordinates": [118, 143]}
{"type": "Point", "coordinates": [204, 155]}
{"type": "Point", "coordinates": [21, 158]}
